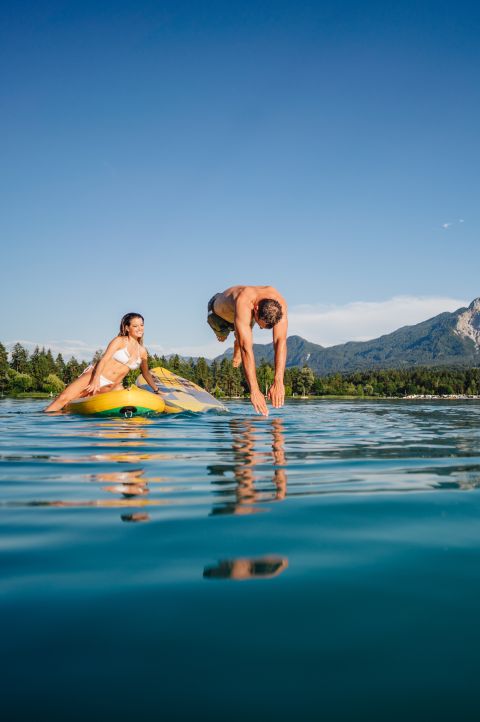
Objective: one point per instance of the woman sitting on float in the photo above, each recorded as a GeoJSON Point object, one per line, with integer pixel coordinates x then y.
{"type": "Point", "coordinates": [124, 353]}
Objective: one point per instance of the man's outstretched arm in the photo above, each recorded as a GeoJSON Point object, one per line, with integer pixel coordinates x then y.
{"type": "Point", "coordinates": [276, 392]}
{"type": "Point", "coordinates": [244, 336]}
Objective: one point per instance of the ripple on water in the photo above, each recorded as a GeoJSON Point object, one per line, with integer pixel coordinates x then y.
{"type": "Point", "coordinates": [228, 461]}
{"type": "Point", "coordinates": [313, 563]}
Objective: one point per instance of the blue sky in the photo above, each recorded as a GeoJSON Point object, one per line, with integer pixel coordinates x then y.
{"type": "Point", "coordinates": [154, 153]}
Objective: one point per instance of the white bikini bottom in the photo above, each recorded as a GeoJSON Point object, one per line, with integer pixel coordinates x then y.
{"type": "Point", "coordinates": [103, 380]}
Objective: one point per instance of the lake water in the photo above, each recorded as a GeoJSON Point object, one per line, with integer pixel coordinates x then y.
{"type": "Point", "coordinates": [321, 564]}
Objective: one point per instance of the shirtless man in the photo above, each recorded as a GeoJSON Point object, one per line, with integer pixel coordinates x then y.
{"type": "Point", "coordinates": [237, 309]}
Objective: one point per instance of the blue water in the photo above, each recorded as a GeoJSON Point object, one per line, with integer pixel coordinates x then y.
{"type": "Point", "coordinates": [320, 564]}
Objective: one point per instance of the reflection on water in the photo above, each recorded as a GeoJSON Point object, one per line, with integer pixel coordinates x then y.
{"type": "Point", "coordinates": [246, 453]}
{"type": "Point", "coordinates": [367, 543]}
{"type": "Point", "coordinates": [136, 516]}
{"type": "Point", "coordinates": [237, 464]}
{"type": "Point", "coordinates": [128, 483]}
{"type": "Point", "coordinates": [242, 569]}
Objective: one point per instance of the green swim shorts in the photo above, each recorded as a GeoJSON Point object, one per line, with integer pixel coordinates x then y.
{"type": "Point", "coordinates": [216, 322]}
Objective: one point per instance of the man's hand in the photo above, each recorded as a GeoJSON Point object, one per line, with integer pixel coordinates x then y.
{"type": "Point", "coordinates": [276, 394]}
{"type": "Point", "coordinates": [259, 403]}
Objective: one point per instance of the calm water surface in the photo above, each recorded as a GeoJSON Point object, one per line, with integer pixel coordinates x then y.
{"type": "Point", "coordinates": [321, 564]}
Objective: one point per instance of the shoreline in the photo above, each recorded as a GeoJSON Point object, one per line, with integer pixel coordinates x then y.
{"type": "Point", "coordinates": [411, 397]}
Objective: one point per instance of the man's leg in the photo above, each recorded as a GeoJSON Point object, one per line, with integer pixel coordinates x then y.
{"type": "Point", "coordinates": [215, 322]}
{"type": "Point", "coordinates": [237, 356]}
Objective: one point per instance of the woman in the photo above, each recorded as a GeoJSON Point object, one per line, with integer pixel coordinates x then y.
{"type": "Point", "coordinates": [124, 353]}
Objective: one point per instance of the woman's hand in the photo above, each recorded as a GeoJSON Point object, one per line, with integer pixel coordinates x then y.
{"type": "Point", "coordinates": [93, 387]}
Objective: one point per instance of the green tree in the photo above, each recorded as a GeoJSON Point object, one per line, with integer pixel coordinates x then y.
{"type": "Point", "coordinates": [265, 376]}
{"type": "Point", "coordinates": [21, 382]}
{"type": "Point", "coordinates": [225, 379]}
{"type": "Point", "coordinates": [203, 374]}
{"type": "Point", "coordinates": [186, 369]}
{"type": "Point", "coordinates": [19, 360]}
{"type": "Point", "coordinates": [218, 392]}
{"type": "Point", "coordinates": [175, 363]}
{"type": "Point", "coordinates": [131, 378]}
{"type": "Point", "coordinates": [214, 368]}
{"type": "Point", "coordinates": [39, 366]}
{"type": "Point", "coordinates": [73, 369]}
{"type": "Point", "coordinates": [3, 359]}
{"type": "Point", "coordinates": [60, 366]}
{"type": "Point", "coordinates": [97, 356]}
{"type": "Point", "coordinates": [51, 363]}
{"type": "Point", "coordinates": [53, 385]}
{"type": "Point", "coordinates": [305, 380]}
{"type": "Point", "coordinates": [4, 368]}
{"type": "Point", "coordinates": [239, 382]}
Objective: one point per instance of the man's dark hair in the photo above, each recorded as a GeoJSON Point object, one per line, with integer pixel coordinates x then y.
{"type": "Point", "coordinates": [270, 312]}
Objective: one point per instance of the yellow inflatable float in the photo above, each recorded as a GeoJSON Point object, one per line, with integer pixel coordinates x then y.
{"type": "Point", "coordinates": [126, 403]}
{"type": "Point", "coordinates": [176, 394]}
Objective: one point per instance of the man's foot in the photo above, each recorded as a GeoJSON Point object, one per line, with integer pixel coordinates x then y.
{"type": "Point", "coordinates": [237, 360]}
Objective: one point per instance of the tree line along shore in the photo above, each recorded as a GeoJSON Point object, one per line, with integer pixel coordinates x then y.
{"type": "Point", "coordinates": [40, 374]}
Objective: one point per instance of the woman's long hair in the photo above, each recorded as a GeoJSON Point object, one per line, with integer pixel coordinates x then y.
{"type": "Point", "coordinates": [125, 323]}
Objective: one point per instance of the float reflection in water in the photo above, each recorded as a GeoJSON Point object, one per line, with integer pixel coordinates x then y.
{"type": "Point", "coordinates": [130, 488]}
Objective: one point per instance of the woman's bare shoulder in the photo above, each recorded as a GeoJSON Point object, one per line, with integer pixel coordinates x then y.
{"type": "Point", "coordinates": [116, 342]}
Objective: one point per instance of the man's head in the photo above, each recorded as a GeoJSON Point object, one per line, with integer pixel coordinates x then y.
{"type": "Point", "coordinates": [268, 313]}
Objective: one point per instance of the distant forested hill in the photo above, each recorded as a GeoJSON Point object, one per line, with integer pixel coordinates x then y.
{"type": "Point", "coordinates": [449, 339]}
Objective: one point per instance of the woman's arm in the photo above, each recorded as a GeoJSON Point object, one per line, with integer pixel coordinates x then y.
{"type": "Point", "coordinates": [147, 375]}
{"type": "Point", "coordinates": [94, 385]}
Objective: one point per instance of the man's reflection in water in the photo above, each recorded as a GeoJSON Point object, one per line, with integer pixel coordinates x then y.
{"type": "Point", "coordinates": [246, 434]}
{"type": "Point", "coordinates": [136, 516]}
{"type": "Point", "coordinates": [241, 569]}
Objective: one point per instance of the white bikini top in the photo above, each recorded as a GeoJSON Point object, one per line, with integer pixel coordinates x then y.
{"type": "Point", "coordinates": [123, 357]}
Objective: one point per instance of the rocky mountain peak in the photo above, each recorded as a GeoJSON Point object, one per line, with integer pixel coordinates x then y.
{"type": "Point", "coordinates": [468, 322]}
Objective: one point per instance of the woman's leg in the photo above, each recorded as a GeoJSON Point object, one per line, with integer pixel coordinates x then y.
{"type": "Point", "coordinates": [73, 391]}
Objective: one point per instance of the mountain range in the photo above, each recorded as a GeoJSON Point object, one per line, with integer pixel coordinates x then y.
{"type": "Point", "coordinates": [449, 339]}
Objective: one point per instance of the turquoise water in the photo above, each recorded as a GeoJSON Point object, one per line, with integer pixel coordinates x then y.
{"type": "Point", "coordinates": [321, 564]}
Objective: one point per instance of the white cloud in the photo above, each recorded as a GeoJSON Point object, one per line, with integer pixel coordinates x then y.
{"type": "Point", "coordinates": [324, 324]}
{"type": "Point", "coordinates": [209, 350]}
{"type": "Point", "coordinates": [364, 320]}
{"type": "Point", "coordinates": [448, 225]}
{"type": "Point", "coordinates": [85, 352]}
{"type": "Point", "coordinates": [67, 347]}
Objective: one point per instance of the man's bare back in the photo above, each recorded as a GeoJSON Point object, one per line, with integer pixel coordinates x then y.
{"type": "Point", "coordinates": [226, 303]}
{"type": "Point", "coordinates": [238, 308]}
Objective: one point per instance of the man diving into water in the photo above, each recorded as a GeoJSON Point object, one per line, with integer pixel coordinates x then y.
{"type": "Point", "coordinates": [237, 309]}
